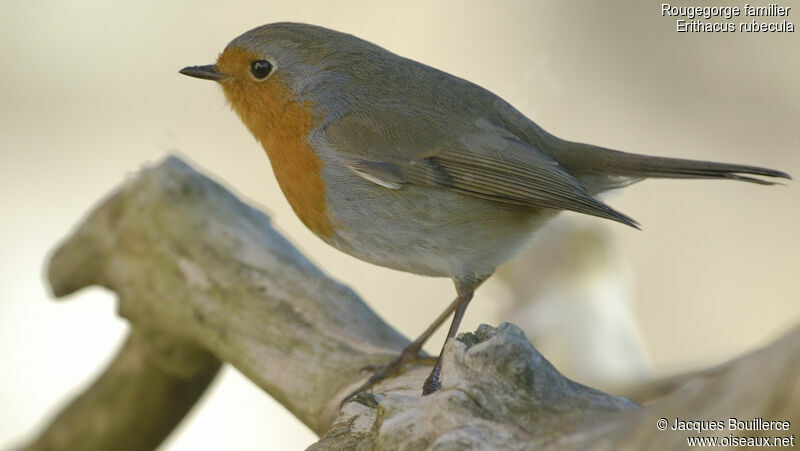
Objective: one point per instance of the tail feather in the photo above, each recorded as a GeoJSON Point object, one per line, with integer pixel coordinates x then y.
{"type": "Point", "coordinates": [621, 163]}
{"type": "Point", "coordinates": [593, 161]}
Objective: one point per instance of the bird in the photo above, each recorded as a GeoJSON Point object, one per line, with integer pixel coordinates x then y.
{"type": "Point", "coordinates": [408, 167]}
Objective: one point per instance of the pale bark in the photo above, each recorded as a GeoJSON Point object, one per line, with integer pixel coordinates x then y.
{"type": "Point", "coordinates": [203, 278]}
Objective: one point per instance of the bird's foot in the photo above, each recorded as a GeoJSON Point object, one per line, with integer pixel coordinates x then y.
{"type": "Point", "coordinates": [432, 382]}
{"type": "Point", "coordinates": [409, 356]}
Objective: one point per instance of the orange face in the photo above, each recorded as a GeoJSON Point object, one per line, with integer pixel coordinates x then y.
{"type": "Point", "coordinates": [282, 126]}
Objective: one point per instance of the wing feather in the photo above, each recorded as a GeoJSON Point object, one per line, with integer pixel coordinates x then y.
{"type": "Point", "coordinates": [487, 163]}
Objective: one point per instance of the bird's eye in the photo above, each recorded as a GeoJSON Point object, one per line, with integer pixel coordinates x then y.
{"type": "Point", "coordinates": [260, 69]}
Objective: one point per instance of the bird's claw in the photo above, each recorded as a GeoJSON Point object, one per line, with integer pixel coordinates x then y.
{"type": "Point", "coordinates": [388, 370]}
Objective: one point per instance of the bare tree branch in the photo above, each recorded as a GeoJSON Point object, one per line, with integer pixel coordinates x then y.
{"type": "Point", "coordinates": [138, 400]}
{"type": "Point", "coordinates": [203, 279]}
{"type": "Point", "coordinates": [192, 263]}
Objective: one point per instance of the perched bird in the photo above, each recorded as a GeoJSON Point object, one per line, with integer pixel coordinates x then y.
{"type": "Point", "coordinates": [405, 166]}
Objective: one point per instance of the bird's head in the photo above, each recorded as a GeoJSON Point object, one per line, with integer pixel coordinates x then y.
{"type": "Point", "coordinates": [269, 68]}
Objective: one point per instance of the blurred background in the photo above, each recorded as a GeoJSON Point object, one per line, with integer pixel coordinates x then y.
{"type": "Point", "coordinates": [90, 93]}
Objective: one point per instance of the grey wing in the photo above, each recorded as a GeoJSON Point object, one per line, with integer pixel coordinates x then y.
{"type": "Point", "coordinates": [488, 163]}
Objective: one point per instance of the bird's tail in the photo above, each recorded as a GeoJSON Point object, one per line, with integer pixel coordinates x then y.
{"type": "Point", "coordinates": [596, 163]}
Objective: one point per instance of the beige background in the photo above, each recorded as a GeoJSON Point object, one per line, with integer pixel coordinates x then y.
{"type": "Point", "coordinates": [90, 92]}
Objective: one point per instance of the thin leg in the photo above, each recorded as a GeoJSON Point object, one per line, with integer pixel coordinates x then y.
{"type": "Point", "coordinates": [432, 382]}
{"type": "Point", "coordinates": [409, 354]}
{"type": "Point", "coordinates": [416, 346]}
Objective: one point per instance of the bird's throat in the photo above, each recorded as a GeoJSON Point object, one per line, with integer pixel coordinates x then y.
{"type": "Point", "coordinates": [282, 126]}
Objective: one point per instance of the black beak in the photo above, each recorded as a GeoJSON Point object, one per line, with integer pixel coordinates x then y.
{"type": "Point", "coordinates": [208, 72]}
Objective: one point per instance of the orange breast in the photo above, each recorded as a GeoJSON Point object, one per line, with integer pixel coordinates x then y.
{"type": "Point", "coordinates": [269, 109]}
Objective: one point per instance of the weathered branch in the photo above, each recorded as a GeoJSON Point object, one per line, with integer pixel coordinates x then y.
{"type": "Point", "coordinates": [203, 278]}
{"type": "Point", "coordinates": [191, 263]}
{"type": "Point", "coordinates": [145, 392]}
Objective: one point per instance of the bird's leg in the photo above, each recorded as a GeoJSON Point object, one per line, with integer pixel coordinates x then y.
{"type": "Point", "coordinates": [465, 288]}
{"type": "Point", "coordinates": [464, 296]}
{"type": "Point", "coordinates": [411, 352]}
{"type": "Point", "coordinates": [409, 355]}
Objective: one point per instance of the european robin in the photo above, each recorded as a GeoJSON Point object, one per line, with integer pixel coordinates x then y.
{"type": "Point", "coordinates": [405, 166]}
